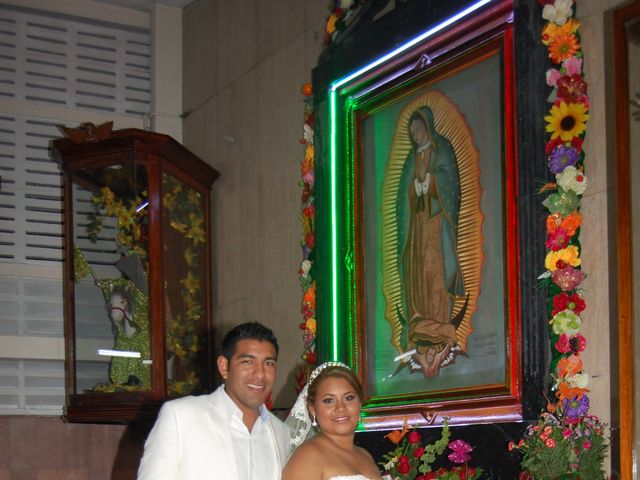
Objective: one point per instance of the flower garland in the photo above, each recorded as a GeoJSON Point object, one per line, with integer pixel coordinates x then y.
{"type": "Point", "coordinates": [307, 280]}
{"type": "Point", "coordinates": [565, 442]}
{"type": "Point", "coordinates": [341, 14]}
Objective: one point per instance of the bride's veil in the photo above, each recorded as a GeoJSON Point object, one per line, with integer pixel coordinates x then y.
{"type": "Point", "coordinates": [298, 422]}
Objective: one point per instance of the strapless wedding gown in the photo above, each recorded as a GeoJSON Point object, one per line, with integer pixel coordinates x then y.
{"type": "Point", "coordinates": [350, 477]}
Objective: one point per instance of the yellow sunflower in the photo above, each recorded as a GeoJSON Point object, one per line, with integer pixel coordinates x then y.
{"type": "Point", "coordinates": [567, 121]}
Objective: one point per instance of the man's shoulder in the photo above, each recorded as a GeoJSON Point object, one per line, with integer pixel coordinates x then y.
{"type": "Point", "coordinates": [191, 402]}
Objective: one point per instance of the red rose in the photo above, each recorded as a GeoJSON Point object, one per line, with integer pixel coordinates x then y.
{"type": "Point", "coordinates": [413, 437]}
{"type": "Point", "coordinates": [309, 239]}
{"type": "Point", "coordinates": [403, 465]}
{"type": "Point", "coordinates": [417, 453]}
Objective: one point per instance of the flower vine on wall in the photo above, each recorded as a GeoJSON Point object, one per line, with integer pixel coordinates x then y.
{"type": "Point", "coordinates": [566, 441]}
{"type": "Point", "coordinates": [307, 280]}
{"type": "Point", "coordinates": [341, 13]}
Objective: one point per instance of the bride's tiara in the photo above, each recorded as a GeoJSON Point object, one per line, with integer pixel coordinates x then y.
{"type": "Point", "coordinates": [321, 367]}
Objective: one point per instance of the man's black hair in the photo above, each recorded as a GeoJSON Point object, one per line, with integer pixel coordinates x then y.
{"type": "Point", "coordinates": [247, 331]}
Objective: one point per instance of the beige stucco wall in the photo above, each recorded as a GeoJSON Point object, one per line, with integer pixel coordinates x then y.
{"type": "Point", "coordinates": [595, 230]}
{"type": "Point", "coordinates": [244, 63]}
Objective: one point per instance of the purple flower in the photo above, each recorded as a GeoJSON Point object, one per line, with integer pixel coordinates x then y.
{"type": "Point", "coordinates": [460, 452]}
{"type": "Point", "coordinates": [573, 409]}
{"type": "Point", "coordinates": [562, 157]}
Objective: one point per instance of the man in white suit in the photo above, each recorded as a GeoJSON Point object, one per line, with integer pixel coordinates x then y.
{"type": "Point", "coordinates": [229, 434]}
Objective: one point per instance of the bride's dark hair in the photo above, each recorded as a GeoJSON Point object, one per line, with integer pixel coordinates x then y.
{"type": "Point", "coordinates": [335, 372]}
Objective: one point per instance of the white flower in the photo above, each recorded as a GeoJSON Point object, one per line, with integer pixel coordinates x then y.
{"type": "Point", "coordinates": [580, 380]}
{"type": "Point", "coordinates": [389, 465]}
{"type": "Point", "coordinates": [559, 12]}
{"type": "Point", "coordinates": [304, 268]}
{"type": "Point", "coordinates": [308, 133]}
{"type": "Point", "coordinates": [346, 4]}
{"type": "Point", "coordinates": [572, 179]}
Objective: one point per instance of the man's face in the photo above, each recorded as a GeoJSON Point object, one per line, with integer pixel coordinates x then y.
{"type": "Point", "coordinates": [250, 373]}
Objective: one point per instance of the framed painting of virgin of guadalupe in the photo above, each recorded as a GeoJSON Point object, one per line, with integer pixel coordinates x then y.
{"type": "Point", "coordinates": [432, 239]}
{"type": "Point", "coordinates": [428, 300]}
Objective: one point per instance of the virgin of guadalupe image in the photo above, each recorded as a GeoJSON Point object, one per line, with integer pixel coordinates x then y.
{"type": "Point", "coordinates": [432, 256]}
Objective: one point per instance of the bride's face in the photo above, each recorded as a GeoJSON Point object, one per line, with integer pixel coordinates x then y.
{"type": "Point", "coordinates": [336, 407]}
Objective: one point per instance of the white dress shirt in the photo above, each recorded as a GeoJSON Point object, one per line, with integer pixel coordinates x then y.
{"type": "Point", "coordinates": [255, 451]}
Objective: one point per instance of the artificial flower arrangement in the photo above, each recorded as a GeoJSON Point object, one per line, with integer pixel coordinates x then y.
{"type": "Point", "coordinates": [566, 441]}
{"type": "Point", "coordinates": [565, 444]}
{"type": "Point", "coordinates": [131, 221]}
{"type": "Point", "coordinates": [307, 215]}
{"type": "Point", "coordinates": [412, 460]}
{"type": "Point", "coordinates": [341, 14]}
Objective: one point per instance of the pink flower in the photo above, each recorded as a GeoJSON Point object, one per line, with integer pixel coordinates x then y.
{"type": "Point", "coordinates": [578, 343]}
{"type": "Point", "coordinates": [557, 240]}
{"type": "Point", "coordinates": [566, 432]}
{"type": "Point", "coordinates": [460, 452]}
{"type": "Point", "coordinates": [572, 65]}
{"type": "Point", "coordinates": [550, 442]}
{"type": "Point", "coordinates": [563, 345]}
{"type": "Point", "coordinates": [308, 178]}
{"type": "Point", "coordinates": [567, 278]}
{"type": "Point", "coordinates": [553, 76]}
{"type": "Point", "coordinates": [586, 445]}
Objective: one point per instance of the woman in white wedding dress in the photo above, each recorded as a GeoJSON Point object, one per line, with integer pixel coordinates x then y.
{"type": "Point", "coordinates": [333, 398]}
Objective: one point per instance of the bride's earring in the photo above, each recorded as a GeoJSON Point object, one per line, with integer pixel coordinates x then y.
{"type": "Point", "coordinates": [314, 423]}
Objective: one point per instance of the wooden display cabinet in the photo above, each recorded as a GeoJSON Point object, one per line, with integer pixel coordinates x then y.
{"type": "Point", "coordinates": [137, 276]}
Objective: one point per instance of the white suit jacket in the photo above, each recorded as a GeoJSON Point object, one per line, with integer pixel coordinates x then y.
{"type": "Point", "coordinates": [191, 440]}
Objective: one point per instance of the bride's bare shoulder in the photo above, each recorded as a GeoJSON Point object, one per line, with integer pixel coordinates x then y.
{"type": "Point", "coordinates": [309, 453]}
